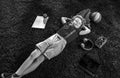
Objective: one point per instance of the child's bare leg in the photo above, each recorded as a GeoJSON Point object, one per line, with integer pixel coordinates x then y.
{"type": "Point", "coordinates": [28, 62]}
{"type": "Point", "coordinates": [34, 65]}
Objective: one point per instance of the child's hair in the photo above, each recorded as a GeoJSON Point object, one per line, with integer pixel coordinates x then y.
{"type": "Point", "coordinates": [79, 16]}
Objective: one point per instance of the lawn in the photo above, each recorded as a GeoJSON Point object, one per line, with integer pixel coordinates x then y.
{"type": "Point", "coordinates": [18, 39]}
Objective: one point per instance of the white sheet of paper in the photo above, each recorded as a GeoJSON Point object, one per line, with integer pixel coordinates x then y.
{"type": "Point", "coordinates": [38, 23]}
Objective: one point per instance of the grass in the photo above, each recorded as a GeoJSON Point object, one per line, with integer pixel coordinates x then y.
{"type": "Point", "coordinates": [18, 39]}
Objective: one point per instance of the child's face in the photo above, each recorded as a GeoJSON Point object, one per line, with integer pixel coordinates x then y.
{"type": "Point", "coordinates": [77, 22]}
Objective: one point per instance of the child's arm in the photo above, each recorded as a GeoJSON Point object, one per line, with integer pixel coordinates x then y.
{"type": "Point", "coordinates": [84, 31]}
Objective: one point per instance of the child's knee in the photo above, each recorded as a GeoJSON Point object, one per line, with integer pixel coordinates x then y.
{"type": "Point", "coordinates": [35, 54]}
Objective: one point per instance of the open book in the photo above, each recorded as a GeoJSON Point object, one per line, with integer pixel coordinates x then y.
{"type": "Point", "coordinates": [40, 22]}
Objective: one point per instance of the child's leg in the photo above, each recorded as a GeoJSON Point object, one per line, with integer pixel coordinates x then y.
{"type": "Point", "coordinates": [28, 62]}
{"type": "Point", "coordinates": [34, 65]}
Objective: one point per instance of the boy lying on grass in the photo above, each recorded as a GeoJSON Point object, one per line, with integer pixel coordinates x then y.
{"type": "Point", "coordinates": [54, 45]}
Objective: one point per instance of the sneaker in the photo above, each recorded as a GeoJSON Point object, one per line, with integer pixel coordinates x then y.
{"type": "Point", "coordinates": [15, 76]}
{"type": "Point", "coordinates": [6, 75]}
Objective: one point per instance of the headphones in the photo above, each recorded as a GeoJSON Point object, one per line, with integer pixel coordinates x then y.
{"type": "Point", "coordinates": [87, 44]}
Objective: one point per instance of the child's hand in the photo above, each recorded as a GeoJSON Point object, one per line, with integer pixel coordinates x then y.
{"type": "Point", "coordinates": [65, 20]}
